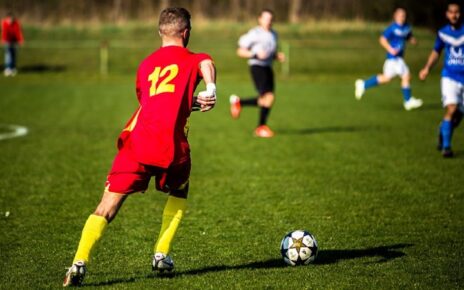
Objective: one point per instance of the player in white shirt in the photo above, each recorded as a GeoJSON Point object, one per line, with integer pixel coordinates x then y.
{"type": "Point", "coordinates": [259, 46]}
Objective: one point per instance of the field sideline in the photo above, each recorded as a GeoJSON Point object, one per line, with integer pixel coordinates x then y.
{"type": "Point", "coordinates": [364, 177]}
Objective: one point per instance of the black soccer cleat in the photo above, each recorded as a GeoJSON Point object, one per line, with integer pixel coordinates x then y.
{"type": "Point", "coordinates": [75, 274]}
{"type": "Point", "coordinates": [447, 153]}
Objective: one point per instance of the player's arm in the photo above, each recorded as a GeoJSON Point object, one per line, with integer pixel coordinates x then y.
{"type": "Point", "coordinates": [431, 61]}
{"type": "Point", "coordinates": [433, 58]}
{"type": "Point", "coordinates": [20, 34]}
{"type": "Point", "coordinates": [207, 99]}
{"type": "Point", "coordinates": [4, 34]}
{"type": "Point", "coordinates": [412, 40]}
{"type": "Point", "coordinates": [280, 56]}
{"type": "Point", "coordinates": [247, 47]}
{"type": "Point", "coordinates": [244, 44]}
{"type": "Point", "coordinates": [244, 52]}
{"type": "Point", "coordinates": [386, 45]}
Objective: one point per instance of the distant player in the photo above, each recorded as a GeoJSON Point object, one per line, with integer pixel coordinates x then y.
{"type": "Point", "coordinates": [394, 40]}
{"type": "Point", "coordinates": [451, 39]}
{"type": "Point", "coordinates": [154, 142]}
{"type": "Point", "coordinates": [12, 35]}
{"type": "Point", "coordinates": [259, 46]}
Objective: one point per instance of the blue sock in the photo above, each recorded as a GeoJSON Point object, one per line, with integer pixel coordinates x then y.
{"type": "Point", "coordinates": [446, 130]}
{"type": "Point", "coordinates": [406, 93]}
{"type": "Point", "coordinates": [371, 82]}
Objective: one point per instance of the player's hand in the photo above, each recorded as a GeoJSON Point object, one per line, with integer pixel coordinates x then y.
{"type": "Point", "coordinates": [207, 99]}
{"type": "Point", "coordinates": [281, 57]}
{"type": "Point", "coordinates": [393, 51]}
{"type": "Point", "coordinates": [262, 54]}
{"type": "Point", "coordinates": [423, 74]}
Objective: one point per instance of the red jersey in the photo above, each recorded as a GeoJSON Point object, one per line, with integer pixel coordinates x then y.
{"type": "Point", "coordinates": [11, 31]}
{"type": "Point", "coordinates": [166, 81]}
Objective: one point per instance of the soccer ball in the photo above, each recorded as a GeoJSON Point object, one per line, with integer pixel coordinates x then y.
{"type": "Point", "coordinates": [298, 248]}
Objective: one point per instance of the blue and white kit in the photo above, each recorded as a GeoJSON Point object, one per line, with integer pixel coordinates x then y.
{"type": "Point", "coordinates": [451, 40]}
{"type": "Point", "coordinates": [397, 36]}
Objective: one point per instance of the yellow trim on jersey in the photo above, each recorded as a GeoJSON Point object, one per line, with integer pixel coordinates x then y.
{"type": "Point", "coordinates": [187, 127]}
{"type": "Point", "coordinates": [132, 124]}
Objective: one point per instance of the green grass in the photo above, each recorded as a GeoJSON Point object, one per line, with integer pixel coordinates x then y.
{"type": "Point", "coordinates": [364, 177]}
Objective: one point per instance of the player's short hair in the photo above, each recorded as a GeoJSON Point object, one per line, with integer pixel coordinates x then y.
{"type": "Point", "coordinates": [266, 10]}
{"type": "Point", "coordinates": [457, 3]}
{"type": "Point", "coordinates": [173, 21]}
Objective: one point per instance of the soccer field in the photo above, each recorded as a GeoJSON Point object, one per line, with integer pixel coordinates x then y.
{"type": "Point", "coordinates": [363, 177]}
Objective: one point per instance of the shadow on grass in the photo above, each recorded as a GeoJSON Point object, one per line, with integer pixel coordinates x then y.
{"type": "Point", "coordinates": [41, 68]}
{"type": "Point", "coordinates": [384, 253]}
{"type": "Point", "coordinates": [334, 129]}
{"type": "Point", "coordinates": [325, 257]}
{"type": "Point", "coordinates": [431, 106]}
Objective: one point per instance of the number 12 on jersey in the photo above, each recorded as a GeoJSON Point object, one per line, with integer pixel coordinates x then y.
{"type": "Point", "coordinates": [168, 73]}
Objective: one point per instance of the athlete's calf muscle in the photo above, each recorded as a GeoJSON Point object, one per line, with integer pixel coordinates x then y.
{"type": "Point", "coordinates": [109, 205]}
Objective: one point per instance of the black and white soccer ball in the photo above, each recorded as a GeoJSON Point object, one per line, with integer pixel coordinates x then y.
{"type": "Point", "coordinates": [299, 248]}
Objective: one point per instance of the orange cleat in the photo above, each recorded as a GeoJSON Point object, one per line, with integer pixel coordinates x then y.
{"type": "Point", "coordinates": [264, 131]}
{"type": "Point", "coordinates": [235, 107]}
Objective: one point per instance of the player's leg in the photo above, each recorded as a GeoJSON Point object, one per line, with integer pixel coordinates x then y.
{"type": "Point", "coordinates": [406, 87]}
{"type": "Point", "coordinates": [409, 102]}
{"type": "Point", "coordinates": [173, 212]}
{"type": "Point", "coordinates": [96, 223]}
{"type": "Point", "coordinates": [13, 59]}
{"type": "Point", "coordinates": [457, 117]}
{"type": "Point", "coordinates": [126, 176]}
{"type": "Point", "coordinates": [176, 181]}
{"type": "Point", "coordinates": [459, 114]}
{"type": "Point", "coordinates": [446, 130]}
{"type": "Point", "coordinates": [265, 102]}
{"type": "Point", "coordinates": [91, 233]}
{"type": "Point", "coordinates": [256, 75]}
{"type": "Point", "coordinates": [362, 85]}
{"type": "Point", "coordinates": [450, 92]}
{"type": "Point", "coordinates": [8, 56]}
{"type": "Point", "coordinates": [265, 85]}
{"type": "Point", "coordinates": [236, 102]}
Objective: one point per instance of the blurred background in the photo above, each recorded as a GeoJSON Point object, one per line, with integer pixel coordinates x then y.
{"type": "Point", "coordinates": [364, 177]}
{"type": "Point", "coordinates": [112, 36]}
{"type": "Point", "coordinates": [293, 11]}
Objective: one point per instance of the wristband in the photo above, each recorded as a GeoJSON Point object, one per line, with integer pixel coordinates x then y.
{"type": "Point", "coordinates": [211, 88]}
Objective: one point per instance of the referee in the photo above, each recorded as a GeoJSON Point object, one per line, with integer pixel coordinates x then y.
{"type": "Point", "coordinates": [259, 46]}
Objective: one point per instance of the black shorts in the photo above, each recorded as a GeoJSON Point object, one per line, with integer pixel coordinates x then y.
{"type": "Point", "coordinates": [263, 77]}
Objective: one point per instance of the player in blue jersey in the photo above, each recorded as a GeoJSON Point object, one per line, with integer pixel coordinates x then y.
{"type": "Point", "coordinates": [450, 38]}
{"type": "Point", "coordinates": [393, 39]}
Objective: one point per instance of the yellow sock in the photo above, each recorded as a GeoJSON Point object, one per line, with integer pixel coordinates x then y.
{"type": "Point", "coordinates": [91, 233]}
{"type": "Point", "coordinates": [172, 214]}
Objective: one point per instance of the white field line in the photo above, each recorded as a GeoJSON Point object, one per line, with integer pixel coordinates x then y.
{"type": "Point", "coordinates": [16, 131]}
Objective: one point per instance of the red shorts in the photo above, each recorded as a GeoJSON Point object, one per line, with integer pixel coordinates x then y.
{"type": "Point", "coordinates": [128, 176]}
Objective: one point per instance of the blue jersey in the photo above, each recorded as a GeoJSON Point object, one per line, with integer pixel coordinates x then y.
{"type": "Point", "coordinates": [397, 35]}
{"type": "Point", "coordinates": [452, 40]}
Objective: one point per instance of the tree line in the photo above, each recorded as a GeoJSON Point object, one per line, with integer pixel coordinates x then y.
{"type": "Point", "coordinates": [425, 13]}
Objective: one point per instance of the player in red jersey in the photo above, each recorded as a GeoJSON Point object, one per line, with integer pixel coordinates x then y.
{"type": "Point", "coordinates": [11, 37]}
{"type": "Point", "coordinates": [154, 141]}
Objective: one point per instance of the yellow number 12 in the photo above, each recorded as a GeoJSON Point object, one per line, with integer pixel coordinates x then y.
{"type": "Point", "coordinates": [164, 86]}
